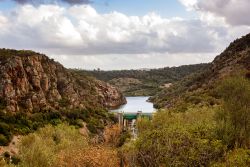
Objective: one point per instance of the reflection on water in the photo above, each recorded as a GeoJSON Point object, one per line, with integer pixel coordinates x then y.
{"type": "Point", "coordinates": [135, 104]}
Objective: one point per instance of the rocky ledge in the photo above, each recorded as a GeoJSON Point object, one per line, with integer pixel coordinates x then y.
{"type": "Point", "coordinates": [32, 82]}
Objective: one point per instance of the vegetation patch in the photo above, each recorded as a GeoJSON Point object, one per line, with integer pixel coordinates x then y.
{"type": "Point", "coordinates": [194, 134]}
{"type": "Point", "coordinates": [24, 123]}
{"type": "Point", "coordinates": [143, 82]}
{"type": "Point", "coordinates": [60, 146]}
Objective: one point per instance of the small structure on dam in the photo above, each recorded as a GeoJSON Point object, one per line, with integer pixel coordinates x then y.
{"type": "Point", "coordinates": [127, 120]}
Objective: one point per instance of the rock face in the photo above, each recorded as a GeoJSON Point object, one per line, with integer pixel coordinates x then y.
{"type": "Point", "coordinates": [32, 82]}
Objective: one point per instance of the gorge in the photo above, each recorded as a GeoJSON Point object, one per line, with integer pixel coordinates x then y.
{"type": "Point", "coordinates": [54, 116]}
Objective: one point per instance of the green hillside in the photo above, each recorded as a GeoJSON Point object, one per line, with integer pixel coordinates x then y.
{"type": "Point", "coordinates": [204, 118]}
{"type": "Point", "coordinates": [145, 82]}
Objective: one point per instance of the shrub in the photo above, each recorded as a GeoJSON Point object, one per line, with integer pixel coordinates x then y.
{"type": "Point", "coordinates": [125, 135]}
{"type": "Point", "coordinates": [112, 135]}
{"type": "Point", "coordinates": [237, 158]}
{"type": "Point", "coordinates": [2, 104]}
{"type": "Point", "coordinates": [176, 139]}
{"type": "Point", "coordinates": [41, 149]}
{"type": "Point", "coordinates": [62, 146]}
{"type": "Point", "coordinates": [24, 123]}
{"type": "Point", "coordinates": [4, 128]}
{"type": "Point", "coordinates": [3, 140]}
{"type": "Point", "coordinates": [143, 124]}
{"type": "Point", "coordinates": [233, 118]}
{"type": "Point", "coordinates": [64, 102]}
{"type": "Point", "coordinates": [15, 160]}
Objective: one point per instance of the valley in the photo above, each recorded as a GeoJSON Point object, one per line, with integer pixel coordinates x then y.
{"type": "Point", "coordinates": [144, 82]}
{"type": "Point", "coordinates": [134, 83]}
{"type": "Point", "coordinates": [53, 116]}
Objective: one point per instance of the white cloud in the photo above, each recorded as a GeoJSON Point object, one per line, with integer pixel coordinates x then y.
{"type": "Point", "coordinates": [190, 4]}
{"type": "Point", "coordinates": [81, 32]}
{"type": "Point", "coordinates": [225, 20]}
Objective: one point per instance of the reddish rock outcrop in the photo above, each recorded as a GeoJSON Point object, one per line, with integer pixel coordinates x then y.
{"type": "Point", "coordinates": [32, 82]}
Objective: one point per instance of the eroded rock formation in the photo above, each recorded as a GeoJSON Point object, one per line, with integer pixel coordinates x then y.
{"type": "Point", "coordinates": [32, 82]}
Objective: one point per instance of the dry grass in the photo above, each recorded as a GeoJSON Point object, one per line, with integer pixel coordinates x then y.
{"type": "Point", "coordinates": [112, 135]}
{"type": "Point", "coordinates": [94, 156]}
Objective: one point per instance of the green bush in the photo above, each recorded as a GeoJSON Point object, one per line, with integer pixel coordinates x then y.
{"type": "Point", "coordinates": [24, 123]}
{"type": "Point", "coordinates": [64, 102]}
{"type": "Point", "coordinates": [94, 125]}
{"type": "Point", "coordinates": [233, 118]}
{"type": "Point", "coordinates": [41, 149]}
{"type": "Point", "coordinates": [123, 138]}
{"type": "Point", "coordinates": [3, 140]}
{"type": "Point", "coordinates": [176, 139]}
{"type": "Point", "coordinates": [236, 158]}
{"type": "Point", "coordinates": [4, 129]}
{"type": "Point", "coordinates": [2, 104]}
{"type": "Point", "coordinates": [15, 160]}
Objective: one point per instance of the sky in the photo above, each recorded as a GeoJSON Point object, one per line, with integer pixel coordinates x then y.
{"type": "Point", "coordinates": [123, 34]}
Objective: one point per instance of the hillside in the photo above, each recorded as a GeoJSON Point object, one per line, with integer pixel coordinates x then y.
{"type": "Point", "coordinates": [235, 60]}
{"type": "Point", "coordinates": [36, 91]}
{"type": "Point", "coordinates": [144, 82]}
{"type": "Point", "coordinates": [32, 82]}
{"type": "Point", "coordinates": [204, 118]}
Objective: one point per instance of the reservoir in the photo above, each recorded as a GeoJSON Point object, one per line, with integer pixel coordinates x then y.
{"type": "Point", "coordinates": [135, 104]}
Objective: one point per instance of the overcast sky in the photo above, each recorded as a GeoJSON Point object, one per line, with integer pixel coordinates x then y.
{"type": "Point", "coordinates": [123, 34]}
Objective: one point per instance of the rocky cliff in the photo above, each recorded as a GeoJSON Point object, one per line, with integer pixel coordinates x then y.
{"type": "Point", "coordinates": [32, 82]}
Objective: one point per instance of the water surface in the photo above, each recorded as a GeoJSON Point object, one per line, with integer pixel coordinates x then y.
{"type": "Point", "coordinates": [135, 104]}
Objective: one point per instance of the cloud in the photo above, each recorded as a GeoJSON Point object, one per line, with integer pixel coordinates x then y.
{"type": "Point", "coordinates": [232, 11]}
{"type": "Point", "coordinates": [189, 3]}
{"type": "Point", "coordinates": [79, 32]}
{"type": "Point", "coordinates": [235, 12]}
{"type": "Point", "coordinates": [52, 1]}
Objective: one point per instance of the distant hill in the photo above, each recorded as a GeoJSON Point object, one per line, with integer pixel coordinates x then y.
{"type": "Point", "coordinates": [235, 60]}
{"type": "Point", "coordinates": [144, 82]}
{"type": "Point", "coordinates": [32, 82]}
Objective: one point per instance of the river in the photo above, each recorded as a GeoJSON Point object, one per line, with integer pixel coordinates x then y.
{"type": "Point", "coordinates": [135, 104]}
